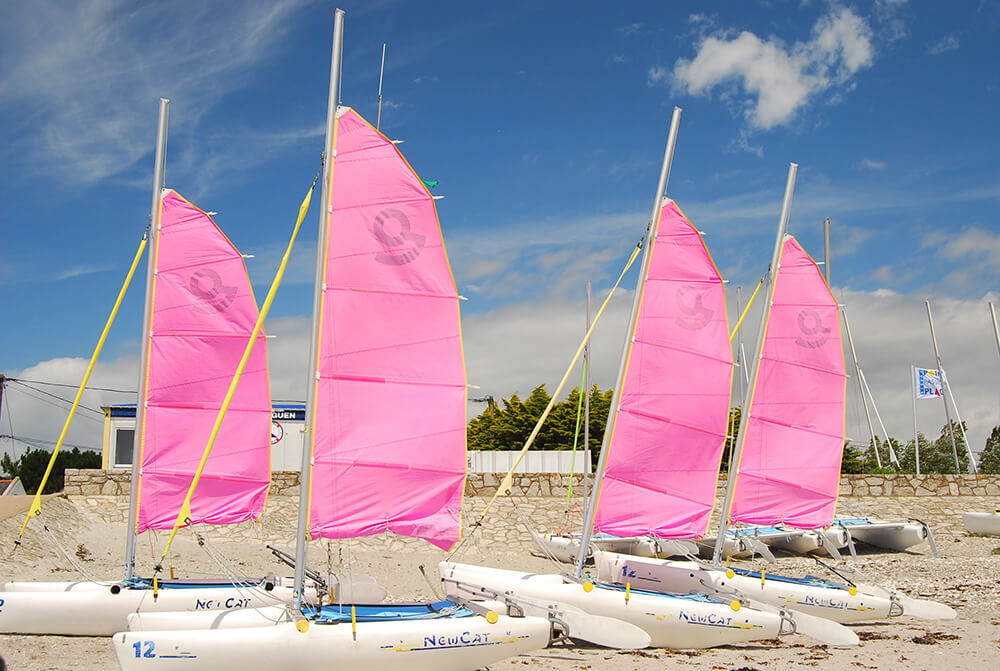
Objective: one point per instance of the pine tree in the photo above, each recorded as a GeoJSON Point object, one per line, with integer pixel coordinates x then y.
{"type": "Point", "coordinates": [989, 460]}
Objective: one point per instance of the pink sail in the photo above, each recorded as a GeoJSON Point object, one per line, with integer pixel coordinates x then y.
{"type": "Point", "coordinates": [203, 313]}
{"type": "Point", "coordinates": [790, 469]}
{"type": "Point", "coordinates": [389, 443]}
{"type": "Point", "coordinates": [670, 428]}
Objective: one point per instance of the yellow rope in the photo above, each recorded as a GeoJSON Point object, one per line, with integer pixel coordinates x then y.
{"type": "Point", "coordinates": [36, 503]}
{"type": "Point", "coordinates": [507, 481]}
{"type": "Point", "coordinates": [185, 511]}
{"type": "Point", "coordinates": [746, 310]}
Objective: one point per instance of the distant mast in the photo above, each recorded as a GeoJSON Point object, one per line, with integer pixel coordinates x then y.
{"type": "Point", "coordinates": [786, 207]}
{"type": "Point", "coordinates": [381, 71]}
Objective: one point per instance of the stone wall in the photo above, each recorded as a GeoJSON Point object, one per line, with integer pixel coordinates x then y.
{"type": "Point", "coordinates": [539, 502]}
{"type": "Point", "coordinates": [89, 482]}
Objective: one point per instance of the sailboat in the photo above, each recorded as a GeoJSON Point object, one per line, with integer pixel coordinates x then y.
{"type": "Point", "coordinates": [200, 312]}
{"type": "Point", "coordinates": [786, 465]}
{"type": "Point", "coordinates": [386, 433]}
{"type": "Point", "coordinates": [678, 353]}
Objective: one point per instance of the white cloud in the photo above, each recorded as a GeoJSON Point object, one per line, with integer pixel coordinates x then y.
{"type": "Point", "coordinates": [974, 246]}
{"type": "Point", "coordinates": [433, 79]}
{"type": "Point", "coordinates": [891, 333]}
{"type": "Point", "coordinates": [657, 75]}
{"type": "Point", "coordinates": [778, 79]}
{"type": "Point", "coordinates": [516, 347]}
{"type": "Point", "coordinates": [80, 271]}
{"type": "Point", "coordinates": [630, 30]}
{"type": "Point", "coordinates": [85, 77]}
{"type": "Point", "coordinates": [872, 165]}
{"type": "Point", "coordinates": [944, 45]}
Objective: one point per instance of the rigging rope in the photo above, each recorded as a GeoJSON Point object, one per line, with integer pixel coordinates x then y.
{"type": "Point", "coordinates": [72, 386]}
{"type": "Point", "coordinates": [507, 481]}
{"type": "Point", "coordinates": [576, 433]}
{"type": "Point", "coordinates": [184, 515]}
{"type": "Point", "coordinates": [746, 309]}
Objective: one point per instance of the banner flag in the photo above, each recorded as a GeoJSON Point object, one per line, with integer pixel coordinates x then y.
{"type": "Point", "coordinates": [930, 383]}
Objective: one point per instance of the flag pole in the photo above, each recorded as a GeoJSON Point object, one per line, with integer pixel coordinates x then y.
{"type": "Point", "coordinates": [944, 395]}
{"type": "Point", "coordinates": [786, 210]}
{"type": "Point", "coordinates": [916, 436]}
{"type": "Point", "coordinates": [661, 189]}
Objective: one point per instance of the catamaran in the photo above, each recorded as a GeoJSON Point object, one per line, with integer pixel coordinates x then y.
{"type": "Point", "coordinates": [677, 354]}
{"type": "Point", "coordinates": [385, 435]}
{"type": "Point", "coordinates": [200, 310]}
{"type": "Point", "coordinates": [786, 465]}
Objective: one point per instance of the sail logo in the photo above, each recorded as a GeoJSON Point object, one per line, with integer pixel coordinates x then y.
{"type": "Point", "coordinates": [402, 245]}
{"type": "Point", "coordinates": [207, 286]}
{"type": "Point", "coordinates": [689, 300]}
{"type": "Point", "coordinates": [814, 333]}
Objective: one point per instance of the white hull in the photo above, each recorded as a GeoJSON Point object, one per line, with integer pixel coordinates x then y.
{"type": "Point", "coordinates": [889, 535]}
{"type": "Point", "coordinates": [566, 547]}
{"type": "Point", "coordinates": [671, 621]}
{"type": "Point", "coordinates": [826, 600]}
{"type": "Point", "coordinates": [442, 644]}
{"type": "Point", "coordinates": [208, 619]}
{"type": "Point", "coordinates": [982, 523]}
{"type": "Point", "coordinates": [796, 541]}
{"type": "Point", "coordinates": [94, 585]}
{"type": "Point", "coordinates": [99, 612]}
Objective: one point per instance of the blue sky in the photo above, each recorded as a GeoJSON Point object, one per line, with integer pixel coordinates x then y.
{"type": "Point", "coordinates": [545, 124]}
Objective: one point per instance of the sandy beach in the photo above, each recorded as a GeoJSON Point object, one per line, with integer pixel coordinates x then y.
{"type": "Point", "coordinates": [966, 578]}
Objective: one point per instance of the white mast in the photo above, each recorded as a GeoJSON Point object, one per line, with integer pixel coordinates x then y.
{"type": "Point", "coordinates": [381, 71]}
{"type": "Point", "coordinates": [586, 404]}
{"type": "Point", "coordinates": [861, 386]}
{"type": "Point", "coordinates": [324, 203]}
{"type": "Point", "coordinates": [944, 395]}
{"type": "Point", "coordinates": [996, 329]}
{"type": "Point", "coordinates": [786, 208]}
{"type": "Point", "coordinates": [661, 189]}
{"type": "Point", "coordinates": [740, 365]}
{"type": "Point", "coordinates": [826, 250]}
{"type": "Point", "coordinates": [140, 406]}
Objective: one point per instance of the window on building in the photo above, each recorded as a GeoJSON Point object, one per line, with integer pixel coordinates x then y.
{"type": "Point", "coordinates": [124, 446]}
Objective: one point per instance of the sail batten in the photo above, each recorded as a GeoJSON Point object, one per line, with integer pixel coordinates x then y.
{"type": "Point", "coordinates": [671, 424]}
{"type": "Point", "coordinates": [789, 472]}
{"type": "Point", "coordinates": [203, 313]}
{"type": "Point", "coordinates": [389, 417]}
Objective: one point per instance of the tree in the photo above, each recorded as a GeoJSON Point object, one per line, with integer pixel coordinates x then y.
{"type": "Point", "coordinates": [989, 460]}
{"type": "Point", "coordinates": [733, 429]}
{"type": "Point", "coordinates": [508, 428]}
{"type": "Point", "coordinates": [31, 465]}
{"type": "Point", "coordinates": [854, 460]}
{"type": "Point", "coordinates": [936, 457]}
